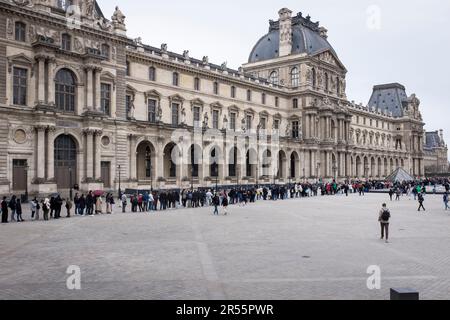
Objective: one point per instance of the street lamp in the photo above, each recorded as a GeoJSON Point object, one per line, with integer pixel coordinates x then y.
{"type": "Point", "coordinates": [120, 190]}
{"type": "Point", "coordinates": [26, 182]}
{"type": "Point", "coordinates": [70, 183]}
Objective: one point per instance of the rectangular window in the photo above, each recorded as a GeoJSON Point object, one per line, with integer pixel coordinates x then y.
{"type": "Point", "coordinates": [263, 98]}
{"type": "Point", "coordinates": [128, 103]}
{"type": "Point", "coordinates": [233, 92]}
{"type": "Point", "coordinates": [20, 79]}
{"type": "Point", "coordinates": [20, 32]}
{"type": "Point", "coordinates": [66, 42]}
{"type": "Point", "coordinates": [197, 84]}
{"type": "Point", "coordinates": [175, 114]}
{"type": "Point", "coordinates": [106, 98]}
{"type": "Point", "coordinates": [215, 119]}
{"type": "Point", "coordinates": [263, 123]}
{"type": "Point", "coordinates": [295, 103]}
{"type": "Point", "coordinates": [249, 95]}
{"type": "Point", "coordinates": [295, 128]}
{"type": "Point", "coordinates": [216, 88]}
{"type": "Point", "coordinates": [276, 124]}
{"type": "Point", "coordinates": [175, 79]}
{"type": "Point", "coordinates": [196, 117]}
{"type": "Point", "coordinates": [233, 121]}
{"type": "Point", "coordinates": [152, 74]}
{"type": "Point", "coordinates": [249, 122]}
{"type": "Point", "coordinates": [152, 110]}
{"type": "Point", "coordinates": [277, 102]}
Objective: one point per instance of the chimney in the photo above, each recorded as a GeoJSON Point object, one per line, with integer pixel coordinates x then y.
{"type": "Point", "coordinates": [285, 32]}
{"type": "Point", "coordinates": [441, 135]}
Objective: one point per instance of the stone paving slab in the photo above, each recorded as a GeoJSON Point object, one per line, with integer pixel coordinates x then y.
{"type": "Point", "coordinates": [316, 248]}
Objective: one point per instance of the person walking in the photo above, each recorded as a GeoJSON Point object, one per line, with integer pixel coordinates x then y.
{"type": "Point", "coordinates": [446, 201]}
{"type": "Point", "coordinates": [69, 205]}
{"type": "Point", "coordinates": [19, 211]}
{"type": "Point", "coordinates": [391, 193]}
{"type": "Point", "coordinates": [58, 205]}
{"type": "Point", "coordinates": [4, 206]}
{"type": "Point", "coordinates": [225, 204]}
{"type": "Point", "coordinates": [99, 205]}
{"type": "Point", "coordinates": [398, 194]}
{"type": "Point", "coordinates": [12, 205]}
{"type": "Point", "coordinates": [33, 206]}
{"type": "Point", "coordinates": [216, 202]}
{"type": "Point", "coordinates": [124, 202]}
{"type": "Point", "coordinates": [383, 218]}
{"type": "Point", "coordinates": [421, 200]}
{"type": "Point", "coordinates": [46, 208]}
{"type": "Point", "coordinates": [81, 205]}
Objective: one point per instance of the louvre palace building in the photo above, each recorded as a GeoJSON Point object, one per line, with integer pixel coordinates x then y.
{"type": "Point", "coordinates": [83, 104]}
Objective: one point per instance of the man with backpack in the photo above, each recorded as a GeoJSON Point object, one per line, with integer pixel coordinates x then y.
{"type": "Point", "coordinates": [384, 217]}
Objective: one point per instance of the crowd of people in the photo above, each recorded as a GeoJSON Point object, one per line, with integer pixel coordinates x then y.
{"type": "Point", "coordinates": [95, 203]}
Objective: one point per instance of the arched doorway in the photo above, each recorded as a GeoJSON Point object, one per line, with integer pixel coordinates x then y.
{"type": "Point", "coordinates": [281, 174]}
{"type": "Point", "coordinates": [267, 163]}
{"type": "Point", "coordinates": [294, 165]}
{"type": "Point", "coordinates": [214, 162]}
{"type": "Point", "coordinates": [195, 159]}
{"type": "Point", "coordinates": [233, 162]}
{"type": "Point", "coordinates": [145, 162]}
{"type": "Point", "coordinates": [65, 161]}
{"type": "Point", "coordinates": [358, 167]}
{"type": "Point", "coordinates": [171, 158]}
{"type": "Point", "coordinates": [251, 163]}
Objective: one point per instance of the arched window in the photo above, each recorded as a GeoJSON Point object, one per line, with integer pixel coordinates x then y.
{"type": "Point", "coordinates": [66, 42]}
{"type": "Point", "coordinates": [152, 74]}
{"type": "Point", "coordinates": [105, 51]}
{"type": "Point", "coordinates": [20, 31]}
{"type": "Point", "coordinates": [273, 78]}
{"type": "Point", "coordinates": [175, 79]}
{"type": "Point", "coordinates": [295, 77]}
{"type": "Point", "coordinates": [65, 90]}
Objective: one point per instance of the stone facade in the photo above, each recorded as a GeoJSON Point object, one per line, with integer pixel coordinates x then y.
{"type": "Point", "coordinates": [83, 104]}
{"type": "Point", "coordinates": [436, 153]}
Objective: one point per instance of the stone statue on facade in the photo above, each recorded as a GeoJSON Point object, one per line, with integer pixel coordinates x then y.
{"type": "Point", "coordinates": [89, 10]}
{"type": "Point", "coordinates": [118, 19]}
{"type": "Point", "coordinates": [205, 120]}
{"type": "Point", "coordinates": [164, 47]}
{"type": "Point", "coordinates": [288, 130]}
{"type": "Point", "coordinates": [131, 110]}
{"type": "Point", "coordinates": [205, 60]}
{"type": "Point", "coordinates": [183, 116]}
{"type": "Point", "coordinates": [225, 123]}
{"type": "Point", "coordinates": [159, 114]}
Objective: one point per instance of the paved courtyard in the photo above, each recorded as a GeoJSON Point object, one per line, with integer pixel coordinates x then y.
{"type": "Point", "coordinates": [317, 248]}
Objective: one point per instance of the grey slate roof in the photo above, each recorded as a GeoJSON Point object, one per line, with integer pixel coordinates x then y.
{"type": "Point", "coordinates": [99, 10]}
{"type": "Point", "coordinates": [389, 97]}
{"type": "Point", "coordinates": [305, 39]}
{"type": "Point", "coordinates": [433, 140]}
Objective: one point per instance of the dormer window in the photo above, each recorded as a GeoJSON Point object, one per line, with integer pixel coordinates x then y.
{"type": "Point", "coordinates": [273, 78]}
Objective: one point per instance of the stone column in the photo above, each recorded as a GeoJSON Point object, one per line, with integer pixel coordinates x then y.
{"type": "Point", "coordinates": [41, 78]}
{"type": "Point", "coordinates": [98, 154]}
{"type": "Point", "coordinates": [89, 87]}
{"type": "Point", "coordinates": [51, 153]}
{"type": "Point", "coordinates": [40, 152]}
{"type": "Point", "coordinates": [133, 173]}
{"type": "Point", "coordinates": [89, 154]}
{"type": "Point", "coordinates": [97, 105]}
{"type": "Point", "coordinates": [51, 82]}
{"type": "Point", "coordinates": [307, 125]}
{"type": "Point", "coordinates": [328, 161]}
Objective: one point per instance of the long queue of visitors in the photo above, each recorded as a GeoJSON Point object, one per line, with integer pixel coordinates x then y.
{"type": "Point", "coordinates": [95, 203]}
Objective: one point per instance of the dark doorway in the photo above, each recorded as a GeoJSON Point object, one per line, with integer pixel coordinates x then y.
{"type": "Point", "coordinates": [106, 174]}
{"type": "Point", "coordinates": [20, 175]}
{"type": "Point", "coordinates": [65, 161]}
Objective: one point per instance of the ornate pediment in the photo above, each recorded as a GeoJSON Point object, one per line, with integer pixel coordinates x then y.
{"type": "Point", "coordinates": [198, 102]}
{"type": "Point", "coordinates": [156, 94]}
{"type": "Point", "coordinates": [330, 58]}
{"type": "Point", "coordinates": [20, 60]}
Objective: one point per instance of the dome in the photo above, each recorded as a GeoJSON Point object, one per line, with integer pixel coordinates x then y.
{"type": "Point", "coordinates": [306, 38]}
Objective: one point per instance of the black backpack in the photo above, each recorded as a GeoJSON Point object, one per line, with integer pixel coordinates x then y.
{"type": "Point", "coordinates": [386, 215]}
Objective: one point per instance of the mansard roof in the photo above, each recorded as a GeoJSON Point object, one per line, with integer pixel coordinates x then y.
{"type": "Point", "coordinates": [390, 97]}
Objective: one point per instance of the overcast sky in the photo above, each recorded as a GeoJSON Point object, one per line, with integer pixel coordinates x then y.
{"type": "Point", "coordinates": [379, 41]}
